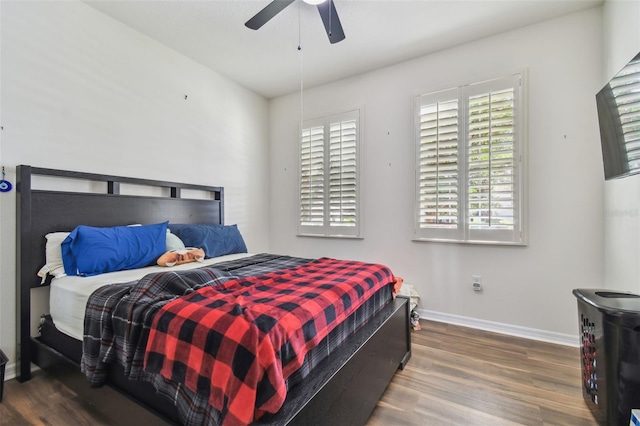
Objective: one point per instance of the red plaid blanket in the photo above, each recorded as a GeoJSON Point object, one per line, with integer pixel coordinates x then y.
{"type": "Point", "coordinates": [238, 342]}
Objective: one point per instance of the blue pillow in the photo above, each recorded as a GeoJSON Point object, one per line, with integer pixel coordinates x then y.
{"type": "Point", "coordinates": [215, 240]}
{"type": "Point", "coordinates": [91, 251]}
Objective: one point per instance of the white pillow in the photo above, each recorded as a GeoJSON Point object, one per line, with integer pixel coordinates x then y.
{"type": "Point", "coordinates": [53, 255]}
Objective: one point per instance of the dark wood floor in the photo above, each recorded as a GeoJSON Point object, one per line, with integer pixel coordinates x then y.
{"type": "Point", "coordinates": [463, 376]}
{"type": "Point", "coordinates": [456, 375]}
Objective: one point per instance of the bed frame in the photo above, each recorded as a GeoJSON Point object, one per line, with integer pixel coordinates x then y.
{"type": "Point", "coordinates": [343, 389]}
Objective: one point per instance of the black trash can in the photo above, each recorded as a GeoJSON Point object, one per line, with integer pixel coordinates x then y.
{"type": "Point", "coordinates": [609, 324]}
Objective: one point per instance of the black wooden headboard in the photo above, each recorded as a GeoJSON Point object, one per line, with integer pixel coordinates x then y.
{"type": "Point", "coordinates": [41, 211]}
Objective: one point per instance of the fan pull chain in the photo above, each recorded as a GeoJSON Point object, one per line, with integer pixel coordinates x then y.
{"type": "Point", "coordinates": [299, 28]}
{"type": "Point", "coordinates": [301, 69]}
{"type": "Point", "coordinates": [330, 4]}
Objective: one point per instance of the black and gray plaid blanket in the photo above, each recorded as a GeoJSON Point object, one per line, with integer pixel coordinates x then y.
{"type": "Point", "coordinates": [119, 316]}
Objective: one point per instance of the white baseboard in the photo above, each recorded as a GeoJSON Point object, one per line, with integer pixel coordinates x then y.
{"type": "Point", "coordinates": [10, 371]}
{"type": "Point", "coordinates": [496, 327]}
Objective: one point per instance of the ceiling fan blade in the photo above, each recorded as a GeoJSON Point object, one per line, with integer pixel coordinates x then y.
{"type": "Point", "coordinates": [331, 21]}
{"type": "Point", "coordinates": [271, 10]}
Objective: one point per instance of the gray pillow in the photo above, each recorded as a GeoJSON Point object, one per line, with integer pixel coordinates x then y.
{"type": "Point", "coordinates": [173, 242]}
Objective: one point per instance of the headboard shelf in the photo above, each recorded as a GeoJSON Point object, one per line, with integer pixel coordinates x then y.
{"type": "Point", "coordinates": [41, 211]}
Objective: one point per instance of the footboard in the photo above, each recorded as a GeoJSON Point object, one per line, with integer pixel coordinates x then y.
{"type": "Point", "coordinates": [345, 388]}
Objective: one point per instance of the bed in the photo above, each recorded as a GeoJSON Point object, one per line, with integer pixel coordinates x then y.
{"type": "Point", "coordinates": [340, 388]}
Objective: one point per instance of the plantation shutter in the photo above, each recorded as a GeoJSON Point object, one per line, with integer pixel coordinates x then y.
{"type": "Point", "coordinates": [438, 166]}
{"type": "Point", "coordinates": [469, 170]}
{"type": "Point", "coordinates": [312, 177]}
{"type": "Point", "coordinates": [329, 176]}
{"type": "Point", "coordinates": [342, 173]}
{"type": "Point", "coordinates": [493, 161]}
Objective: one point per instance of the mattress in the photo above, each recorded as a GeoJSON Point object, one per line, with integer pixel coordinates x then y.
{"type": "Point", "coordinates": [69, 294]}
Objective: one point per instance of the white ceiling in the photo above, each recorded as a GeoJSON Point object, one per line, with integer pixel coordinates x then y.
{"type": "Point", "coordinates": [378, 33]}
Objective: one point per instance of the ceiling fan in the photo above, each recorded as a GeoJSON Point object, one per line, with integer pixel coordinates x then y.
{"type": "Point", "coordinates": [327, 12]}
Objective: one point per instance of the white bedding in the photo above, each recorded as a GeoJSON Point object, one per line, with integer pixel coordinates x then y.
{"type": "Point", "coordinates": [69, 294]}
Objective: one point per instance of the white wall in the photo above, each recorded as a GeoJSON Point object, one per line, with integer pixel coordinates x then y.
{"type": "Point", "coordinates": [527, 290]}
{"type": "Point", "coordinates": [621, 42]}
{"type": "Point", "coordinates": [83, 92]}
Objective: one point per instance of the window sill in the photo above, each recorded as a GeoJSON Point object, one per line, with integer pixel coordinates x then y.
{"type": "Point", "coordinates": [345, 237]}
{"type": "Point", "coordinates": [470, 242]}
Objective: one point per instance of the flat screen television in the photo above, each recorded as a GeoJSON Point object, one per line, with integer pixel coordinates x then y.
{"type": "Point", "coordinates": [618, 105]}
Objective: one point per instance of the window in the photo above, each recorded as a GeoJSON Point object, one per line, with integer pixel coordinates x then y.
{"type": "Point", "coordinates": [470, 145]}
{"type": "Point", "coordinates": [329, 182]}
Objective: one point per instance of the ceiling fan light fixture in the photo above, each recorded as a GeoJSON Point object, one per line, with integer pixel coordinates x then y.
{"type": "Point", "coordinates": [327, 10]}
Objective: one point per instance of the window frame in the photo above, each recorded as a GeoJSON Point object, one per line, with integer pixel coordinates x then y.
{"type": "Point", "coordinates": [327, 229]}
{"type": "Point", "coordinates": [463, 232]}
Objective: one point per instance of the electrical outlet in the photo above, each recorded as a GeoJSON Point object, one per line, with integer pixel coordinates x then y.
{"type": "Point", "coordinates": [477, 283]}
